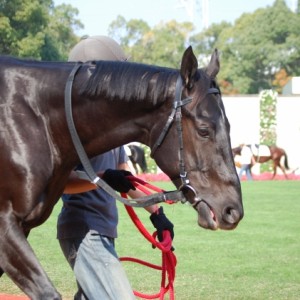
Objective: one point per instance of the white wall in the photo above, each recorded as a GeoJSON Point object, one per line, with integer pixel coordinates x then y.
{"type": "Point", "coordinates": [288, 128]}
{"type": "Point", "coordinates": [244, 117]}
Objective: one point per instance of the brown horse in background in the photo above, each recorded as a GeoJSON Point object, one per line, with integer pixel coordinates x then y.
{"type": "Point", "coordinates": [276, 155]}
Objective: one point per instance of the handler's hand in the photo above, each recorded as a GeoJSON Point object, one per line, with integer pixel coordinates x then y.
{"type": "Point", "coordinates": [161, 223]}
{"type": "Point", "coordinates": [118, 181]}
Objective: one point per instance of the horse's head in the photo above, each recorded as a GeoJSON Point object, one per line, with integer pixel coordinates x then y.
{"type": "Point", "coordinates": [200, 160]}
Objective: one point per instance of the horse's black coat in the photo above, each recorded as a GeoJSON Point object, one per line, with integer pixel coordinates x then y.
{"type": "Point", "coordinates": [114, 103]}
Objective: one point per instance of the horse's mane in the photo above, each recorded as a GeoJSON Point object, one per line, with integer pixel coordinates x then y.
{"type": "Point", "coordinates": [129, 81]}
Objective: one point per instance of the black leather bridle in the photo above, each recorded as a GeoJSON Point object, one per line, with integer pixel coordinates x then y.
{"type": "Point", "coordinates": [176, 112]}
{"type": "Point", "coordinates": [90, 174]}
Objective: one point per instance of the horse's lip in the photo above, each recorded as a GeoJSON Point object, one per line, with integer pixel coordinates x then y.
{"type": "Point", "coordinates": [206, 216]}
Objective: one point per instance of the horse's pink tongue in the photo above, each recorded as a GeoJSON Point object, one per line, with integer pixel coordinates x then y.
{"type": "Point", "coordinates": [212, 215]}
{"type": "Point", "coordinates": [206, 217]}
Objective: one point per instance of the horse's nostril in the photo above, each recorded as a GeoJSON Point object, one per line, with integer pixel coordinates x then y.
{"type": "Point", "coordinates": [231, 215]}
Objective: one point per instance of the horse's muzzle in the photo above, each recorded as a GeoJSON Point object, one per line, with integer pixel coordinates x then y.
{"type": "Point", "coordinates": [209, 219]}
{"type": "Point", "coordinates": [232, 216]}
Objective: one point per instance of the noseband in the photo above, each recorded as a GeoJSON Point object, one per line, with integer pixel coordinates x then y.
{"type": "Point", "coordinates": [176, 111]}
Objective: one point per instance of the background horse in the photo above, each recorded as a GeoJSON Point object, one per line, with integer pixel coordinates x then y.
{"type": "Point", "coordinates": [276, 154]}
{"type": "Point", "coordinates": [114, 103]}
{"type": "Point", "coordinates": [138, 159]}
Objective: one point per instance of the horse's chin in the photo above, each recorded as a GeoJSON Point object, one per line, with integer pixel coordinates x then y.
{"type": "Point", "coordinates": [206, 216]}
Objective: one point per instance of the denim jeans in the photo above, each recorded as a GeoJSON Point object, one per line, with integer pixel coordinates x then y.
{"type": "Point", "coordinates": [247, 169]}
{"type": "Point", "coordinates": [98, 271]}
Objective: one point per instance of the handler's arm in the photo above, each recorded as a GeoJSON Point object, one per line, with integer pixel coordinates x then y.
{"type": "Point", "coordinates": [75, 185]}
{"type": "Point", "coordinates": [157, 216]}
{"type": "Point", "coordinates": [137, 193]}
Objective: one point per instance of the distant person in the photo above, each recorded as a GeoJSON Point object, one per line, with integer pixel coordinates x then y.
{"type": "Point", "coordinates": [246, 161]}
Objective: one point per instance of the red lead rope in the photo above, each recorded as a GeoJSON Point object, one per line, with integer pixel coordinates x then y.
{"type": "Point", "coordinates": [168, 257]}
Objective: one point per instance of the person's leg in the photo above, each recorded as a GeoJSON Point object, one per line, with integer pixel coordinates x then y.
{"type": "Point", "coordinates": [99, 271]}
{"type": "Point", "coordinates": [69, 248]}
{"type": "Point", "coordinates": [248, 172]}
{"type": "Point", "coordinates": [243, 168]}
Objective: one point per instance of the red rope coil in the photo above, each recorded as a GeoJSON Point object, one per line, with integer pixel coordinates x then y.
{"type": "Point", "coordinates": [169, 260]}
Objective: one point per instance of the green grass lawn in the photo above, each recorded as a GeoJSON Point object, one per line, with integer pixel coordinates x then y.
{"type": "Point", "coordinates": [258, 260]}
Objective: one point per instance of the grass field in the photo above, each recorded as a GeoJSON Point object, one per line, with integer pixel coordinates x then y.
{"type": "Point", "coordinates": [258, 260]}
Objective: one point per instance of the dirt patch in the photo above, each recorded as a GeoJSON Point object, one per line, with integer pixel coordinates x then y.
{"type": "Point", "coordinates": [13, 297]}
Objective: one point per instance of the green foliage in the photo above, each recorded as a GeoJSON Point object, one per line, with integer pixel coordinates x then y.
{"type": "Point", "coordinates": [162, 45]}
{"type": "Point", "coordinates": [166, 44]}
{"type": "Point", "coordinates": [152, 166]}
{"type": "Point", "coordinates": [268, 122]}
{"type": "Point", "coordinates": [256, 47]}
{"type": "Point", "coordinates": [37, 29]}
{"type": "Point", "coordinates": [205, 41]}
{"type": "Point", "coordinates": [61, 31]}
{"type": "Point", "coordinates": [256, 50]}
{"type": "Point", "coordinates": [130, 32]}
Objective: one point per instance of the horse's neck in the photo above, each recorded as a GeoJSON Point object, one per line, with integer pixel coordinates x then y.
{"type": "Point", "coordinates": [104, 125]}
{"type": "Point", "coordinates": [106, 120]}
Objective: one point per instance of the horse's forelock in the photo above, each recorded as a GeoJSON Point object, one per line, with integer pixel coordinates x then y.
{"type": "Point", "coordinates": [128, 81]}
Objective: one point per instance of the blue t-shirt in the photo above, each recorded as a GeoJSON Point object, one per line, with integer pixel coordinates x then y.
{"type": "Point", "coordinates": [94, 210]}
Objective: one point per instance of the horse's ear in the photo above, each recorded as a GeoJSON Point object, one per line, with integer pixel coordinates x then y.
{"type": "Point", "coordinates": [189, 66]}
{"type": "Point", "coordinates": [214, 65]}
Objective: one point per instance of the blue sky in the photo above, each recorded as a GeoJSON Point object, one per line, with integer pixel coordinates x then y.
{"type": "Point", "coordinates": [96, 15]}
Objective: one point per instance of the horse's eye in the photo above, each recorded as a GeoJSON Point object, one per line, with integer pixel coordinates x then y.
{"type": "Point", "coordinates": [204, 132]}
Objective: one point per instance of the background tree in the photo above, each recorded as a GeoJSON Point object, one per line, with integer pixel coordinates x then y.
{"type": "Point", "coordinates": [261, 50]}
{"type": "Point", "coordinates": [161, 45]}
{"type": "Point", "coordinates": [37, 29]}
{"type": "Point", "coordinates": [204, 43]}
{"type": "Point", "coordinates": [61, 35]}
{"type": "Point", "coordinates": [130, 35]}
{"type": "Point", "coordinates": [256, 49]}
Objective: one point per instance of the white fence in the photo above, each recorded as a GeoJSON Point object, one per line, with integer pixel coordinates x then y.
{"type": "Point", "coordinates": [243, 113]}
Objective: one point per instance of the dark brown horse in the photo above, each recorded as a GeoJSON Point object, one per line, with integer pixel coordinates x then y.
{"type": "Point", "coordinates": [114, 103]}
{"type": "Point", "coordinates": [276, 154]}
